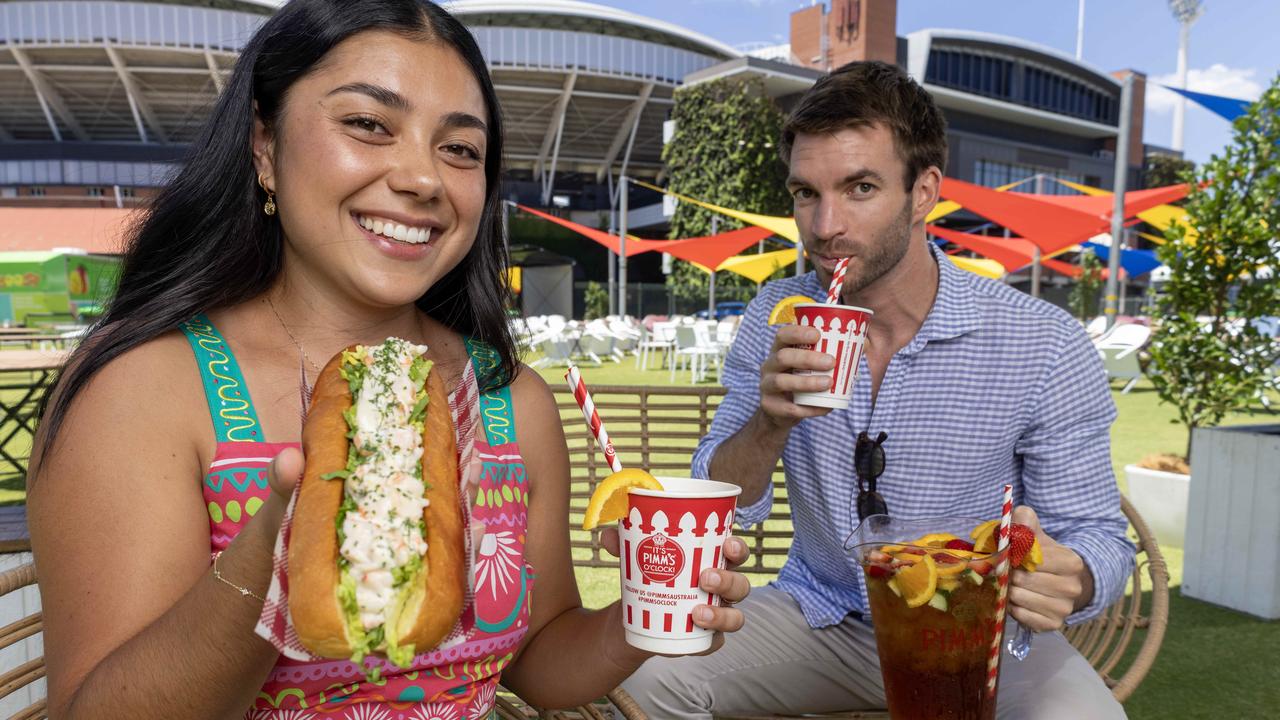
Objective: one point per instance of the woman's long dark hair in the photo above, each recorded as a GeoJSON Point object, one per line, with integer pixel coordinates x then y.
{"type": "Point", "coordinates": [205, 242]}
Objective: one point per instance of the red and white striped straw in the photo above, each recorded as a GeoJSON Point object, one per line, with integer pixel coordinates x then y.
{"type": "Point", "coordinates": [837, 281]}
{"type": "Point", "coordinates": [592, 417]}
{"type": "Point", "coordinates": [1002, 591]}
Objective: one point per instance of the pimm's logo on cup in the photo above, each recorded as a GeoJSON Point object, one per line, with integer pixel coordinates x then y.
{"type": "Point", "coordinates": [660, 559]}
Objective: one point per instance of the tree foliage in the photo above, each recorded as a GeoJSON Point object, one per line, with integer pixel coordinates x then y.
{"type": "Point", "coordinates": [724, 151]}
{"type": "Point", "coordinates": [1084, 293]}
{"type": "Point", "coordinates": [1163, 170]}
{"type": "Point", "coordinates": [597, 301]}
{"type": "Point", "coordinates": [1209, 359]}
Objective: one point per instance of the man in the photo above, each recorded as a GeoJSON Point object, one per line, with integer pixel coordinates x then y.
{"type": "Point", "coordinates": [976, 385]}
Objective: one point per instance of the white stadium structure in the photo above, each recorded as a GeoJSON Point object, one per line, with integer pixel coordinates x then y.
{"type": "Point", "coordinates": [97, 94]}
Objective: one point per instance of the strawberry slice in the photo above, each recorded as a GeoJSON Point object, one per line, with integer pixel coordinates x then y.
{"type": "Point", "coordinates": [1021, 538]}
{"type": "Point", "coordinates": [982, 567]}
{"type": "Point", "coordinates": [878, 571]}
{"type": "Point", "coordinates": [959, 544]}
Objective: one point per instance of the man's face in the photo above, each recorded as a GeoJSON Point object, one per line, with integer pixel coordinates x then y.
{"type": "Point", "coordinates": [850, 201]}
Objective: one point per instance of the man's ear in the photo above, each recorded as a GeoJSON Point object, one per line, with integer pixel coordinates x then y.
{"type": "Point", "coordinates": [925, 193]}
{"type": "Point", "coordinates": [264, 146]}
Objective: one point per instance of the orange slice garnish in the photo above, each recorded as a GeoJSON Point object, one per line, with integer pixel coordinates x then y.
{"type": "Point", "coordinates": [609, 501]}
{"type": "Point", "coordinates": [784, 312]}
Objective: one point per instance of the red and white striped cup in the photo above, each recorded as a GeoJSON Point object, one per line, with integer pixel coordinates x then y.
{"type": "Point", "coordinates": [669, 537]}
{"type": "Point", "coordinates": [844, 333]}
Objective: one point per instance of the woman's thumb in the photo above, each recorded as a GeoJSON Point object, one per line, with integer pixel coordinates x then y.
{"type": "Point", "coordinates": [285, 471]}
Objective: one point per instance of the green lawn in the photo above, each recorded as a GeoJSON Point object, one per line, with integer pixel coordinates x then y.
{"type": "Point", "coordinates": [1213, 663]}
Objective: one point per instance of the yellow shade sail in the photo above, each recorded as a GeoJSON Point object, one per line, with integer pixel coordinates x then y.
{"type": "Point", "coordinates": [780, 226]}
{"type": "Point", "coordinates": [979, 266]}
{"type": "Point", "coordinates": [758, 268]}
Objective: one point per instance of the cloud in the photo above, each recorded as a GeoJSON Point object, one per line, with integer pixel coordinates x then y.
{"type": "Point", "coordinates": [1217, 79]}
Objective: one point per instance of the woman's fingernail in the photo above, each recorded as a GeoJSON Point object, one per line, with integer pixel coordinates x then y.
{"type": "Point", "coordinates": [713, 577]}
{"type": "Point", "coordinates": [702, 614]}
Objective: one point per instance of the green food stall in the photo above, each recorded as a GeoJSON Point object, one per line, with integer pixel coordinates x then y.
{"type": "Point", "coordinates": [44, 287]}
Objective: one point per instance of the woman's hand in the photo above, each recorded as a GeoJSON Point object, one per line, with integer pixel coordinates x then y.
{"type": "Point", "coordinates": [730, 585]}
{"type": "Point", "coordinates": [283, 474]}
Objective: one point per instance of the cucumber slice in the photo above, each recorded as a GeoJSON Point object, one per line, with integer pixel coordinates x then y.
{"type": "Point", "coordinates": [938, 601]}
{"type": "Point", "coordinates": [973, 576]}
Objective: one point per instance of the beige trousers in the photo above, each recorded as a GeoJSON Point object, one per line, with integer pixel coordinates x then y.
{"type": "Point", "coordinates": [777, 664]}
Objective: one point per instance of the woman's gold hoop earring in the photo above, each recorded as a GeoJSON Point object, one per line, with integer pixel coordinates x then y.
{"type": "Point", "coordinates": [270, 206]}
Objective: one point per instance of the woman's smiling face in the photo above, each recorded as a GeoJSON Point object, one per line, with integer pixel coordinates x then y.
{"type": "Point", "coordinates": [378, 165]}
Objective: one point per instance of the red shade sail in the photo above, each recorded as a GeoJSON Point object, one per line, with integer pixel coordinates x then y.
{"type": "Point", "coordinates": [709, 251]}
{"type": "Point", "coordinates": [1049, 226]}
{"type": "Point", "coordinates": [1012, 253]}
{"type": "Point", "coordinates": [635, 246]}
{"type": "Point", "coordinates": [1102, 205]}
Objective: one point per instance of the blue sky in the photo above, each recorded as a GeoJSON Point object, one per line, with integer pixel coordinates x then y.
{"type": "Point", "coordinates": [1233, 49]}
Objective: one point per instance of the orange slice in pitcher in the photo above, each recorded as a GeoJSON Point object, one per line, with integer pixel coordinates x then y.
{"type": "Point", "coordinates": [984, 537]}
{"type": "Point", "coordinates": [609, 501]}
{"type": "Point", "coordinates": [784, 313]}
{"type": "Point", "coordinates": [918, 582]}
{"type": "Point", "coordinates": [950, 562]}
{"type": "Point", "coordinates": [936, 540]}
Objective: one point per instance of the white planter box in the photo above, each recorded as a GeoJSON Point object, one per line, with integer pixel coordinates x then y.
{"type": "Point", "coordinates": [1233, 521]}
{"type": "Point", "coordinates": [1161, 500]}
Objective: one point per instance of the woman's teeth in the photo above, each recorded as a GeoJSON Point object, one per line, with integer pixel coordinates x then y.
{"type": "Point", "coordinates": [395, 231]}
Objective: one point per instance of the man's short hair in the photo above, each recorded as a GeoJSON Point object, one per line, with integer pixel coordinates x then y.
{"type": "Point", "coordinates": [862, 94]}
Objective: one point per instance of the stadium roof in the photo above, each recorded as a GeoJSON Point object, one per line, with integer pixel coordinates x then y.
{"type": "Point", "coordinates": [584, 88]}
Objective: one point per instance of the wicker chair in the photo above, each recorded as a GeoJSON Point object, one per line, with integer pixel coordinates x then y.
{"type": "Point", "coordinates": [686, 414]}
{"type": "Point", "coordinates": [15, 678]}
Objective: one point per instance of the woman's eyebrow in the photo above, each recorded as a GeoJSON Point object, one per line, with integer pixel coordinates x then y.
{"type": "Point", "coordinates": [458, 119]}
{"type": "Point", "coordinates": [384, 95]}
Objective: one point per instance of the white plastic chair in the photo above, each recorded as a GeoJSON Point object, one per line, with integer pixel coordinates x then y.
{"type": "Point", "coordinates": [555, 351]}
{"type": "Point", "coordinates": [661, 340]}
{"type": "Point", "coordinates": [694, 348]}
{"type": "Point", "coordinates": [1119, 350]}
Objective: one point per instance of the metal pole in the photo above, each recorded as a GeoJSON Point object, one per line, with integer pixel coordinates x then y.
{"type": "Point", "coordinates": [611, 260]}
{"type": "Point", "coordinates": [711, 287]}
{"type": "Point", "coordinates": [1035, 257]}
{"type": "Point", "coordinates": [1117, 207]}
{"type": "Point", "coordinates": [1080, 33]}
{"type": "Point", "coordinates": [1180, 110]}
{"type": "Point", "coordinates": [622, 246]}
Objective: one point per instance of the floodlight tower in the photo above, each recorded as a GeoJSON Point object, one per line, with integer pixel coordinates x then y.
{"type": "Point", "coordinates": [1186, 12]}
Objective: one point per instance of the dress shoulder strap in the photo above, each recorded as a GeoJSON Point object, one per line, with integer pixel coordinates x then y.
{"type": "Point", "coordinates": [495, 405]}
{"type": "Point", "coordinates": [234, 419]}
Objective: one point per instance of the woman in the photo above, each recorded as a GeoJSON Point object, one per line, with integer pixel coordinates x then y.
{"type": "Point", "coordinates": [344, 190]}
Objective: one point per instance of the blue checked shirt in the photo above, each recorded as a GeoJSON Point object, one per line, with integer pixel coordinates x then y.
{"type": "Point", "coordinates": [997, 387]}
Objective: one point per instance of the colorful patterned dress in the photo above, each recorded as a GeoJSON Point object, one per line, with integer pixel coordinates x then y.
{"type": "Point", "coordinates": [456, 681]}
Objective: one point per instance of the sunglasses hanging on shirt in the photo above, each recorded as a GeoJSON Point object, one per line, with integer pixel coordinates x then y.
{"type": "Point", "coordinates": [868, 463]}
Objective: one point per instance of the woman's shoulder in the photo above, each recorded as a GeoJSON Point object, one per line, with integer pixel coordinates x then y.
{"type": "Point", "coordinates": [144, 396]}
{"type": "Point", "coordinates": [152, 384]}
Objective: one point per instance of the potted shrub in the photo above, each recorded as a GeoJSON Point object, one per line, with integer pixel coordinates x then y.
{"type": "Point", "coordinates": [1209, 358]}
{"type": "Point", "coordinates": [1158, 487]}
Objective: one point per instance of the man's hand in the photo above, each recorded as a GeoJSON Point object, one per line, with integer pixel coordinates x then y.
{"type": "Point", "coordinates": [777, 382]}
{"type": "Point", "coordinates": [1062, 584]}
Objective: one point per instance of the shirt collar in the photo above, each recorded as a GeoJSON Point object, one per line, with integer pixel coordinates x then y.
{"type": "Point", "coordinates": [954, 310]}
